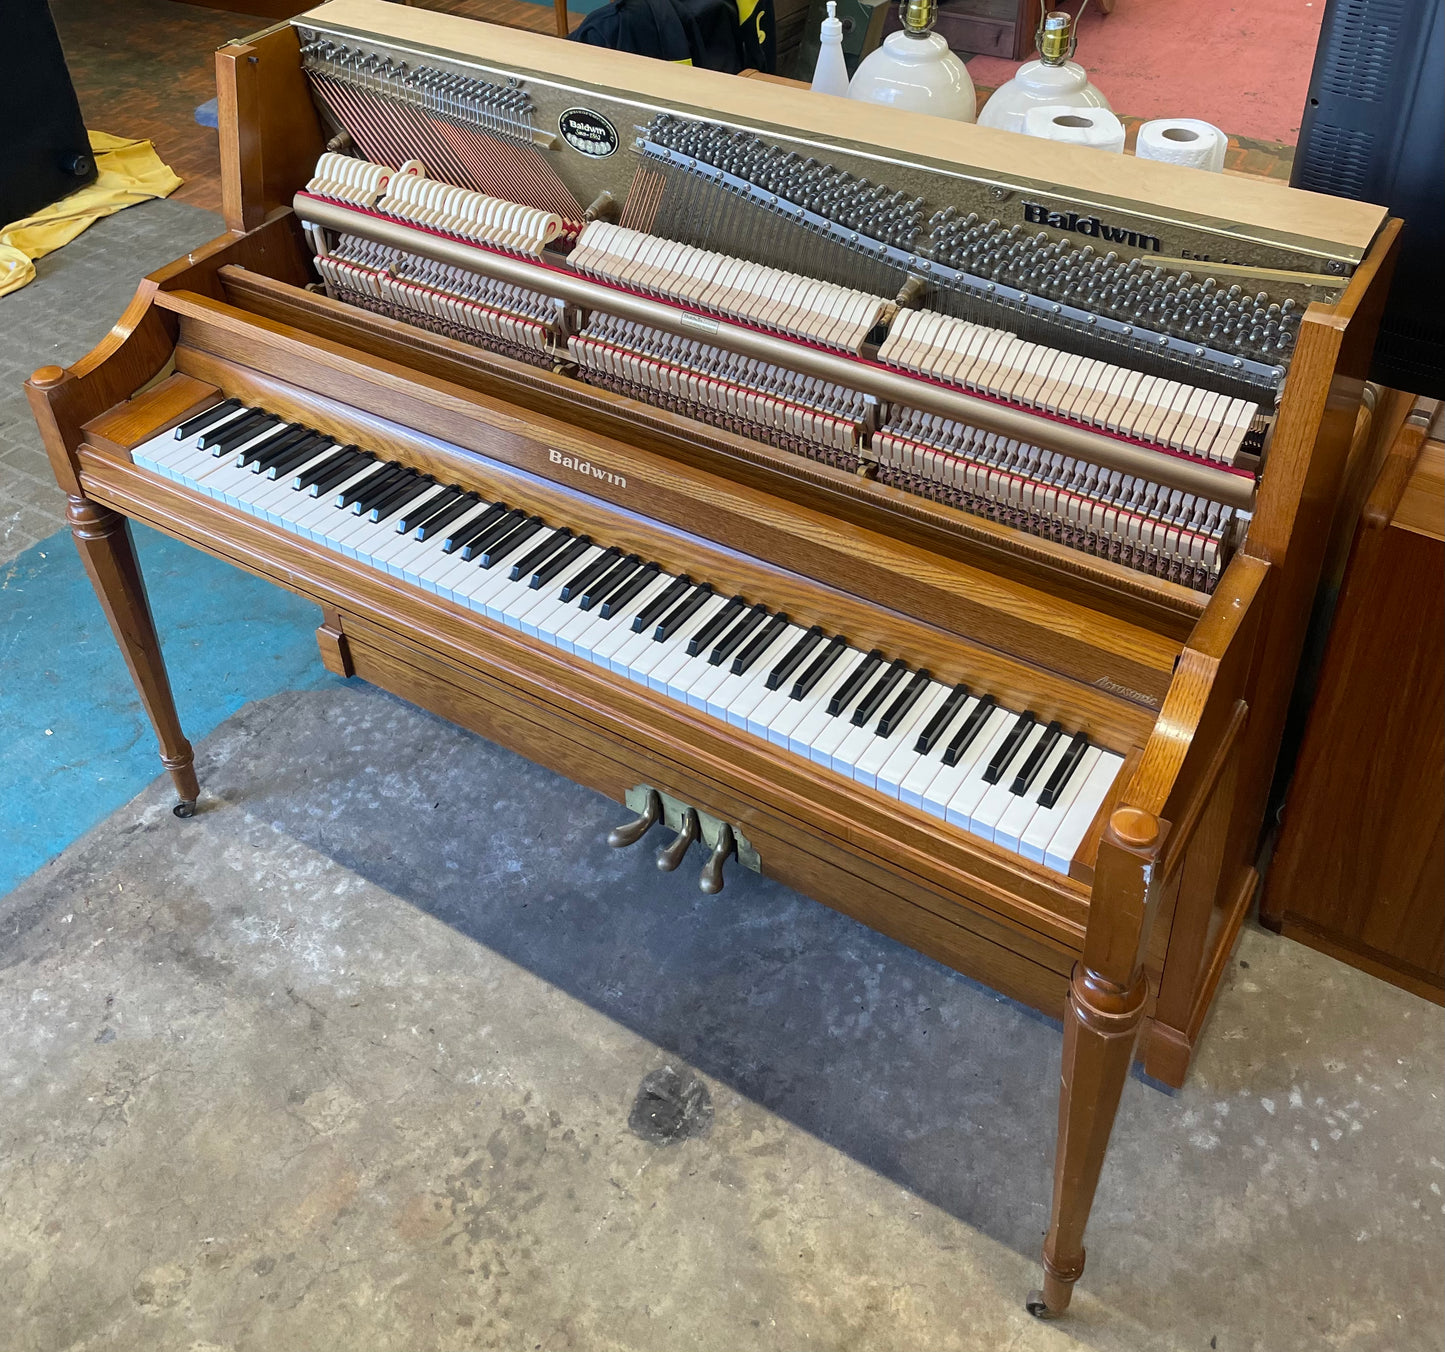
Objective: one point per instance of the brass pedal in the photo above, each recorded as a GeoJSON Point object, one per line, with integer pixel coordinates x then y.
{"type": "Point", "coordinates": [723, 839]}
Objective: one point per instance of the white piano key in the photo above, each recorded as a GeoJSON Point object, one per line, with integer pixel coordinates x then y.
{"type": "Point", "coordinates": [605, 634]}
{"type": "Point", "coordinates": [915, 783]}
{"type": "Point", "coordinates": [1045, 820]}
{"type": "Point", "coordinates": [985, 815]}
{"type": "Point", "coordinates": [815, 720]}
{"type": "Point", "coordinates": [880, 752]}
{"type": "Point", "coordinates": [750, 686]}
{"type": "Point", "coordinates": [974, 788]}
{"type": "Point", "coordinates": [854, 744]}
{"type": "Point", "coordinates": [274, 496]}
{"type": "Point", "coordinates": [1076, 821]}
{"type": "Point", "coordinates": [1019, 811]}
{"type": "Point", "coordinates": [967, 772]}
{"type": "Point", "coordinates": [663, 673]}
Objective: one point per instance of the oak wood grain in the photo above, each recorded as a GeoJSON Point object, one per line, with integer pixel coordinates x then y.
{"type": "Point", "coordinates": [1360, 866]}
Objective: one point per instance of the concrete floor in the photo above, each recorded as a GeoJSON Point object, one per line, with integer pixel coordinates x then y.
{"type": "Point", "coordinates": [348, 1061]}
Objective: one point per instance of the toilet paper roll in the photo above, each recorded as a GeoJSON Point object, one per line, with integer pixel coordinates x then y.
{"type": "Point", "coordinates": [1183, 140]}
{"type": "Point", "coordinates": [1096, 127]}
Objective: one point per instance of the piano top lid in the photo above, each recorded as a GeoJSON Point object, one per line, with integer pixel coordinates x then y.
{"type": "Point", "coordinates": [1334, 227]}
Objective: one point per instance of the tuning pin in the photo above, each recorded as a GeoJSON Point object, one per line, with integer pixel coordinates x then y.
{"type": "Point", "coordinates": [711, 880]}
{"type": "Point", "coordinates": [629, 833]}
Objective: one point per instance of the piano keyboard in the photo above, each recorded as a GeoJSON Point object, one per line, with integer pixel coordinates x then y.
{"type": "Point", "coordinates": [1000, 774]}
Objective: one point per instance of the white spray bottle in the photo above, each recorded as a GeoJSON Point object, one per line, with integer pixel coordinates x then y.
{"type": "Point", "coordinates": [830, 75]}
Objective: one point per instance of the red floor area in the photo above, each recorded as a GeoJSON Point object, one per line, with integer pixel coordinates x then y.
{"type": "Point", "coordinates": [1243, 66]}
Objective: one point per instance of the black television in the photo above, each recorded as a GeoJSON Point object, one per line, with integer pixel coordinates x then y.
{"type": "Point", "coordinates": [1374, 129]}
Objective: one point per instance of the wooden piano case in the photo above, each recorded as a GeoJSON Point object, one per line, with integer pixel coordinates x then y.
{"type": "Point", "coordinates": [1191, 688]}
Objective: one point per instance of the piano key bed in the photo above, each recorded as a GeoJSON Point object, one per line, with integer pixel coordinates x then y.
{"type": "Point", "coordinates": [997, 773]}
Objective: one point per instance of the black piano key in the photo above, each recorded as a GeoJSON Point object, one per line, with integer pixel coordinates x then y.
{"type": "Point", "coordinates": [715, 626]}
{"type": "Point", "coordinates": [434, 526]}
{"type": "Point", "coordinates": [427, 508]}
{"type": "Point", "coordinates": [643, 577]}
{"type": "Point", "coordinates": [224, 444]}
{"type": "Point", "coordinates": [225, 439]}
{"type": "Point", "coordinates": [682, 613]}
{"type": "Point", "coordinates": [559, 563]}
{"type": "Point", "coordinates": [343, 455]}
{"type": "Point", "coordinates": [512, 541]}
{"type": "Point", "coordinates": [1064, 771]}
{"type": "Point", "coordinates": [972, 725]}
{"type": "Point", "coordinates": [794, 656]}
{"type": "Point", "coordinates": [269, 452]}
{"type": "Point", "coordinates": [1043, 749]}
{"type": "Point", "coordinates": [338, 476]}
{"type": "Point", "coordinates": [589, 574]}
{"type": "Point", "coordinates": [255, 418]}
{"type": "Point", "coordinates": [837, 646]}
{"type": "Point", "coordinates": [759, 644]}
{"type": "Point", "coordinates": [604, 586]}
{"type": "Point", "coordinates": [710, 631]}
{"type": "Point", "coordinates": [399, 497]}
{"type": "Point", "coordinates": [848, 691]}
{"type": "Point", "coordinates": [203, 420]}
{"type": "Point", "coordinates": [381, 474]}
{"type": "Point", "coordinates": [661, 603]}
{"type": "Point", "coordinates": [382, 487]}
{"type": "Point", "coordinates": [938, 724]}
{"type": "Point", "coordinates": [499, 529]}
{"type": "Point", "coordinates": [734, 637]}
{"type": "Point", "coordinates": [872, 702]}
{"type": "Point", "coordinates": [284, 435]}
{"type": "Point", "coordinates": [535, 558]}
{"type": "Point", "coordinates": [469, 530]}
{"type": "Point", "coordinates": [379, 488]}
{"type": "Point", "coordinates": [900, 707]}
{"type": "Point", "coordinates": [300, 453]}
{"type": "Point", "coordinates": [320, 481]}
{"type": "Point", "coordinates": [1009, 748]}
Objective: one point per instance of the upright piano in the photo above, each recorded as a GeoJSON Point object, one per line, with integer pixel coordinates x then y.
{"type": "Point", "coordinates": [923, 515]}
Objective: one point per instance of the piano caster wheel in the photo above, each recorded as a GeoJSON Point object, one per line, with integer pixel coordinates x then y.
{"type": "Point", "coordinates": [711, 881]}
{"type": "Point", "coordinates": [185, 808]}
{"type": "Point", "coordinates": [629, 833]}
{"type": "Point", "coordinates": [670, 856]}
{"type": "Point", "coordinates": [1038, 1307]}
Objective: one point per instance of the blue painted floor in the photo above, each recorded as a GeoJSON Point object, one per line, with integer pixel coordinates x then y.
{"type": "Point", "coordinates": [74, 742]}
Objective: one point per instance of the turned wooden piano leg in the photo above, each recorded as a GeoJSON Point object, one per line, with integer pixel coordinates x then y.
{"type": "Point", "coordinates": [108, 552]}
{"type": "Point", "coordinates": [1105, 1009]}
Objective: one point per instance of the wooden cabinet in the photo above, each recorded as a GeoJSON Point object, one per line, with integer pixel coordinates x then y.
{"type": "Point", "coordinates": [1360, 867]}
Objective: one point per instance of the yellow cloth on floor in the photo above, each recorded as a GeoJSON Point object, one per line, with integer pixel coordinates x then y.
{"type": "Point", "coordinates": [129, 172]}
